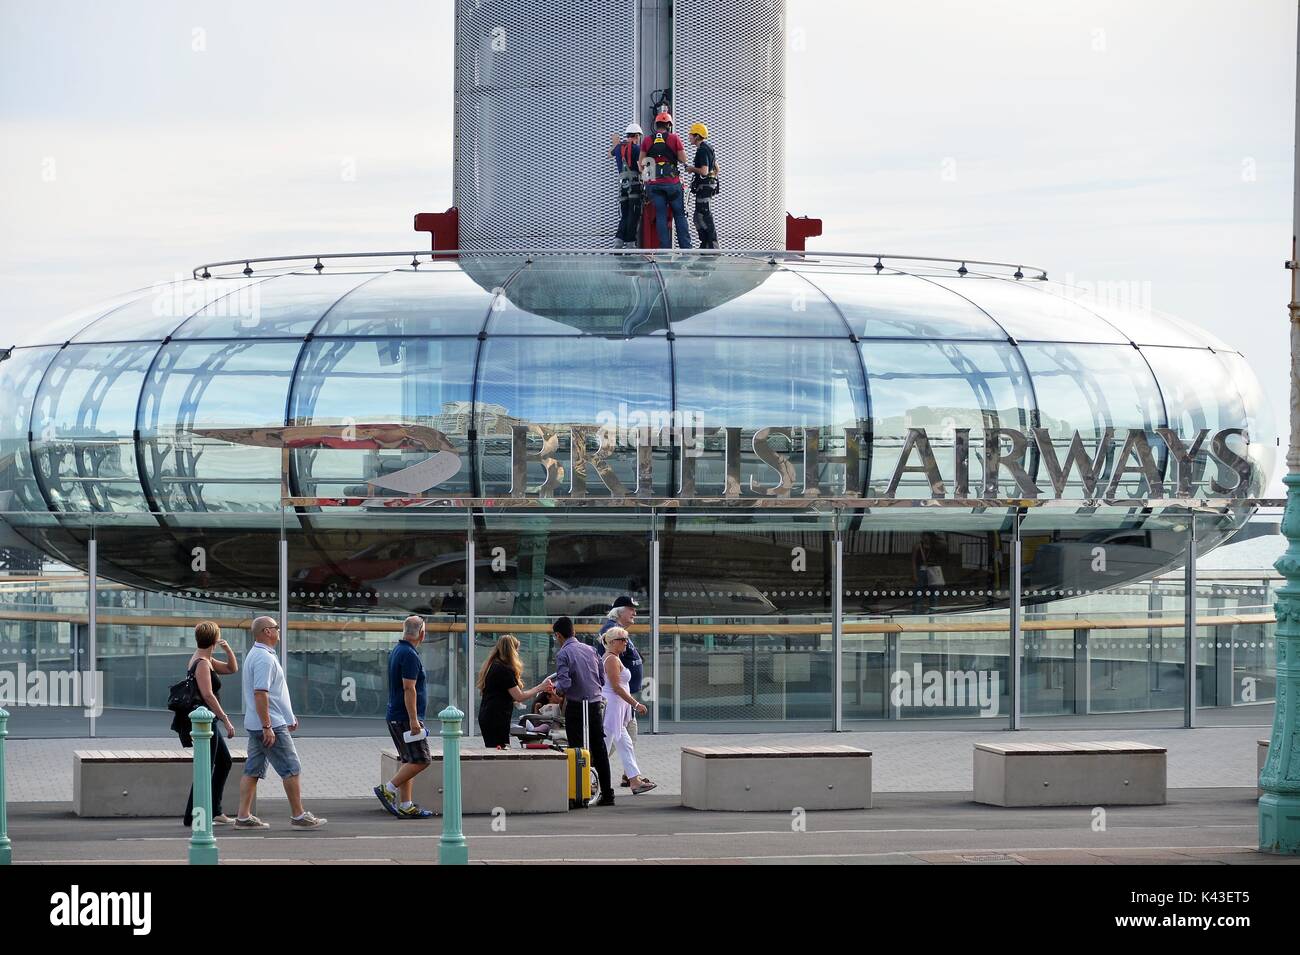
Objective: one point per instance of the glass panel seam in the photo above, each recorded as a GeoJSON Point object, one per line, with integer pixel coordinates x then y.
{"type": "Point", "coordinates": [868, 434]}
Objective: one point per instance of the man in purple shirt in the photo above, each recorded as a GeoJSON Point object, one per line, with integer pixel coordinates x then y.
{"type": "Point", "coordinates": [580, 677]}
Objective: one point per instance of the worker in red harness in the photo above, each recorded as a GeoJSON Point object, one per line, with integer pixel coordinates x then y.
{"type": "Point", "coordinates": [667, 153]}
{"type": "Point", "coordinates": [627, 155]}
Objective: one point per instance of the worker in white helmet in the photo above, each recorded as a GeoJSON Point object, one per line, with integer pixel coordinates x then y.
{"type": "Point", "coordinates": [627, 154]}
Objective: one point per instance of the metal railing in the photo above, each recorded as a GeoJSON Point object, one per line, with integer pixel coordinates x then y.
{"type": "Point", "coordinates": [316, 260]}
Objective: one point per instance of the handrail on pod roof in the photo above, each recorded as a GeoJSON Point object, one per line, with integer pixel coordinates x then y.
{"type": "Point", "coordinates": [772, 257]}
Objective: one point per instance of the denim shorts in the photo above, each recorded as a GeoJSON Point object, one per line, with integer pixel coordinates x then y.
{"type": "Point", "coordinates": [283, 756]}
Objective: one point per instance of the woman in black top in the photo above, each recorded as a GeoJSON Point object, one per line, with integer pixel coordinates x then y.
{"type": "Point", "coordinates": [500, 681]}
{"type": "Point", "coordinates": [207, 636]}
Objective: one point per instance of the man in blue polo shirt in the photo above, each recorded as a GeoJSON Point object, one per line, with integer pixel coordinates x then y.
{"type": "Point", "coordinates": [405, 716]}
{"type": "Point", "coordinates": [269, 720]}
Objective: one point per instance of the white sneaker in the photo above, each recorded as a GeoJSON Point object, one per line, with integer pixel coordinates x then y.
{"type": "Point", "coordinates": [307, 821]}
{"type": "Point", "coordinates": [252, 822]}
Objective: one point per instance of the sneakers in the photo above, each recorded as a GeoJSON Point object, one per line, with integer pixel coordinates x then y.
{"type": "Point", "coordinates": [413, 812]}
{"type": "Point", "coordinates": [385, 797]}
{"type": "Point", "coordinates": [252, 822]}
{"type": "Point", "coordinates": [221, 819]}
{"type": "Point", "coordinates": [307, 821]}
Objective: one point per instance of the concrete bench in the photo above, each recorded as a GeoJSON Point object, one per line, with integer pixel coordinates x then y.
{"type": "Point", "coordinates": [516, 780]}
{"type": "Point", "coordinates": [1070, 774]}
{"type": "Point", "coordinates": [776, 778]}
{"type": "Point", "coordinates": [142, 782]}
{"type": "Point", "coordinates": [1261, 755]}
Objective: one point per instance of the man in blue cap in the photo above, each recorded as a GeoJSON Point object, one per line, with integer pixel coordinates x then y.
{"type": "Point", "coordinates": [623, 614]}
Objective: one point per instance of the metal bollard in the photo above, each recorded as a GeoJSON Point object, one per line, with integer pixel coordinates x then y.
{"type": "Point", "coordinates": [452, 848]}
{"type": "Point", "coordinates": [6, 849]}
{"type": "Point", "coordinates": [203, 847]}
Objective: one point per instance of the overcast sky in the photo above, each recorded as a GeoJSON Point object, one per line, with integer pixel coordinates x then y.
{"type": "Point", "coordinates": [1144, 142]}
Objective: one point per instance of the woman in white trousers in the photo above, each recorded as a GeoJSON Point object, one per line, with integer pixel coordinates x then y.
{"type": "Point", "coordinates": [619, 704]}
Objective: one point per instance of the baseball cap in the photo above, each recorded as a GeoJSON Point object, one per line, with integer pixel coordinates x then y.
{"type": "Point", "coordinates": [624, 601]}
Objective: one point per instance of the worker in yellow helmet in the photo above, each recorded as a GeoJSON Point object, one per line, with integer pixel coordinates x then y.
{"type": "Point", "coordinates": [704, 185]}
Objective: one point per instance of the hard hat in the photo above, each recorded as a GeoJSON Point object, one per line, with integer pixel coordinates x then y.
{"type": "Point", "coordinates": [633, 128]}
{"type": "Point", "coordinates": [664, 117]}
{"type": "Point", "coordinates": [699, 129]}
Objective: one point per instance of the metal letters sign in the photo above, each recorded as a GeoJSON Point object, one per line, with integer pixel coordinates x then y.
{"type": "Point", "coordinates": [1098, 466]}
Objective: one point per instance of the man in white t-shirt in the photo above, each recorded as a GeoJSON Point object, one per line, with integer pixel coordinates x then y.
{"type": "Point", "coordinates": [269, 719]}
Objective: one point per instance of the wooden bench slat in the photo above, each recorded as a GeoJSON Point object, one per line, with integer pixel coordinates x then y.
{"type": "Point", "coordinates": [1081, 748]}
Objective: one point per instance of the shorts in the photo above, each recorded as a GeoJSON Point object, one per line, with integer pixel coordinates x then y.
{"type": "Point", "coordinates": [408, 752]}
{"type": "Point", "coordinates": [283, 756]}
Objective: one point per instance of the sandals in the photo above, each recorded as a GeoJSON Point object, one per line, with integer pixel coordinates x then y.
{"type": "Point", "coordinates": [649, 785]}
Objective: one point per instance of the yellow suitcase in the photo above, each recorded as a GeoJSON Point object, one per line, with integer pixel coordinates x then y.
{"type": "Point", "coordinates": [579, 778]}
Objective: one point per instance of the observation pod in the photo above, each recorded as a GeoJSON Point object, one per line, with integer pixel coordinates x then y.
{"type": "Point", "coordinates": [560, 404]}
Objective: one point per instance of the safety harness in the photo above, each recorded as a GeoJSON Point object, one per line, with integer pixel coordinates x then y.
{"type": "Point", "coordinates": [665, 159]}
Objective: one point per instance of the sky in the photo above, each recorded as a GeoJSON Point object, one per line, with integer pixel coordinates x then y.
{"type": "Point", "coordinates": [1142, 146]}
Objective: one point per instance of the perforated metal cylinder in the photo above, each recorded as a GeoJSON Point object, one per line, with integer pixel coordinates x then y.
{"type": "Point", "coordinates": [540, 85]}
{"type": "Point", "coordinates": [729, 73]}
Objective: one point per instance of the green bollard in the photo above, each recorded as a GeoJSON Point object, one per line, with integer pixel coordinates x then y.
{"type": "Point", "coordinates": [1279, 806]}
{"type": "Point", "coordinates": [203, 847]}
{"type": "Point", "coordinates": [6, 849]}
{"type": "Point", "coordinates": [452, 848]}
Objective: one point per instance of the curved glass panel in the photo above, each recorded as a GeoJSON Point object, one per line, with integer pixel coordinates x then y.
{"type": "Point", "coordinates": [731, 383]}
{"type": "Point", "coordinates": [708, 299]}
{"type": "Point", "coordinates": [282, 307]}
{"type": "Point", "coordinates": [405, 302]}
{"type": "Point", "coordinates": [62, 329]}
{"type": "Point", "coordinates": [214, 386]}
{"type": "Point", "coordinates": [897, 305]}
{"type": "Point", "coordinates": [1029, 314]}
{"type": "Point", "coordinates": [157, 314]}
{"type": "Point", "coordinates": [1126, 306]}
{"type": "Point", "coordinates": [1259, 420]}
{"type": "Point", "coordinates": [941, 386]}
{"type": "Point", "coordinates": [547, 387]}
{"type": "Point", "coordinates": [614, 298]}
{"type": "Point", "coordinates": [1089, 388]}
{"type": "Point", "coordinates": [20, 374]}
{"type": "Point", "coordinates": [422, 381]}
{"type": "Point", "coordinates": [1199, 395]}
{"type": "Point", "coordinates": [83, 441]}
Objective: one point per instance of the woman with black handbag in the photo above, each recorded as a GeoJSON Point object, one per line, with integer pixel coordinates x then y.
{"type": "Point", "coordinates": [205, 685]}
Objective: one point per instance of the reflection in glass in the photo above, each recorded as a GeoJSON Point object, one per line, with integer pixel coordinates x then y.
{"type": "Point", "coordinates": [162, 310]}
{"type": "Point", "coordinates": [1259, 419]}
{"type": "Point", "coordinates": [1089, 388]}
{"type": "Point", "coordinates": [941, 386]}
{"type": "Point", "coordinates": [83, 427]}
{"type": "Point", "coordinates": [622, 299]}
{"type": "Point", "coordinates": [420, 381]}
{"type": "Point", "coordinates": [20, 375]}
{"type": "Point", "coordinates": [404, 302]}
{"type": "Point", "coordinates": [284, 306]}
{"type": "Point", "coordinates": [897, 305]}
{"type": "Point", "coordinates": [732, 383]}
{"type": "Point", "coordinates": [214, 385]}
{"type": "Point", "coordinates": [550, 385]}
{"type": "Point", "coordinates": [752, 303]}
{"type": "Point", "coordinates": [1029, 314]}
